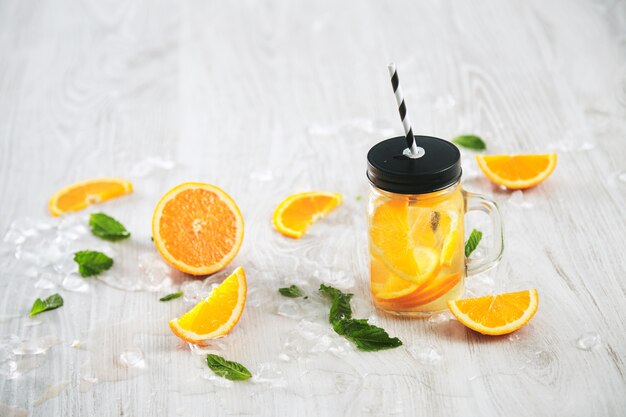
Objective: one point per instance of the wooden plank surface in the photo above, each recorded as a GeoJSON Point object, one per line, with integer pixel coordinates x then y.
{"type": "Point", "coordinates": [265, 98]}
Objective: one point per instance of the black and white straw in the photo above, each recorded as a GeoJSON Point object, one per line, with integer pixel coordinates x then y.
{"type": "Point", "coordinates": [412, 151]}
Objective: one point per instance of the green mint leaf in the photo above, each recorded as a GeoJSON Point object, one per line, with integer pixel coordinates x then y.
{"type": "Point", "coordinates": [227, 369]}
{"type": "Point", "coordinates": [292, 291]}
{"type": "Point", "coordinates": [340, 303]}
{"type": "Point", "coordinates": [365, 336]}
{"type": "Point", "coordinates": [171, 296]}
{"type": "Point", "coordinates": [91, 262]}
{"type": "Point", "coordinates": [106, 227]}
{"type": "Point", "coordinates": [472, 242]}
{"type": "Point", "coordinates": [470, 142]}
{"type": "Point", "coordinates": [50, 303]}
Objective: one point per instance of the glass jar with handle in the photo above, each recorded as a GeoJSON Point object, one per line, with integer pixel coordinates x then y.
{"type": "Point", "coordinates": [416, 221]}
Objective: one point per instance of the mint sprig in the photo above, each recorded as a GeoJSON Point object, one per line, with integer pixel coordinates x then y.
{"type": "Point", "coordinates": [171, 296]}
{"type": "Point", "coordinates": [472, 242]}
{"type": "Point", "coordinates": [472, 142]}
{"type": "Point", "coordinates": [92, 262]}
{"type": "Point", "coordinates": [106, 227]}
{"type": "Point", "coordinates": [365, 336]}
{"type": "Point", "coordinates": [340, 303]}
{"type": "Point", "coordinates": [292, 291]}
{"type": "Point", "coordinates": [50, 303]}
{"type": "Point", "coordinates": [227, 369]}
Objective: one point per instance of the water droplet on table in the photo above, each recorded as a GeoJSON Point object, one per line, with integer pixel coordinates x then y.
{"type": "Point", "coordinates": [588, 341]}
{"type": "Point", "coordinates": [51, 392]}
{"type": "Point", "coordinates": [36, 346]}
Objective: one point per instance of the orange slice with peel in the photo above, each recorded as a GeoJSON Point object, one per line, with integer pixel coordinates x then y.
{"type": "Point", "coordinates": [387, 286]}
{"type": "Point", "coordinates": [424, 294]}
{"type": "Point", "coordinates": [216, 315]}
{"type": "Point", "coordinates": [80, 195]}
{"type": "Point", "coordinates": [517, 171]}
{"type": "Point", "coordinates": [496, 314]}
{"type": "Point", "coordinates": [197, 228]}
{"type": "Point", "coordinates": [296, 213]}
{"type": "Point", "coordinates": [392, 239]}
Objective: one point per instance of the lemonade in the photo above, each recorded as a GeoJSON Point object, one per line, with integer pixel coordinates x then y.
{"type": "Point", "coordinates": [416, 250]}
{"type": "Point", "coordinates": [416, 212]}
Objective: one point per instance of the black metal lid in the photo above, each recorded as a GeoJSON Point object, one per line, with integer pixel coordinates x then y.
{"type": "Point", "coordinates": [390, 170]}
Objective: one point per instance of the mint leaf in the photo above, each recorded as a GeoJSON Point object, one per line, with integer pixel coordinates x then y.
{"type": "Point", "coordinates": [365, 336]}
{"type": "Point", "coordinates": [470, 142]}
{"type": "Point", "coordinates": [340, 303]}
{"type": "Point", "coordinates": [106, 227]}
{"type": "Point", "coordinates": [292, 291]}
{"type": "Point", "coordinates": [171, 296]}
{"type": "Point", "coordinates": [472, 242]}
{"type": "Point", "coordinates": [91, 262]}
{"type": "Point", "coordinates": [227, 369]}
{"type": "Point", "coordinates": [50, 303]}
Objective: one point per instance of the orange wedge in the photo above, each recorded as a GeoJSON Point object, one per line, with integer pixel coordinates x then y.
{"type": "Point", "coordinates": [517, 171]}
{"type": "Point", "coordinates": [216, 315]}
{"type": "Point", "coordinates": [79, 195]}
{"type": "Point", "coordinates": [296, 213]}
{"type": "Point", "coordinates": [496, 314]}
{"type": "Point", "coordinates": [197, 228]}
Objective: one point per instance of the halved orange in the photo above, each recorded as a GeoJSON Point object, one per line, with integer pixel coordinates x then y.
{"type": "Point", "coordinates": [296, 213]}
{"type": "Point", "coordinates": [197, 228]}
{"type": "Point", "coordinates": [79, 195]}
{"type": "Point", "coordinates": [517, 171]}
{"type": "Point", "coordinates": [496, 314]}
{"type": "Point", "coordinates": [216, 315]}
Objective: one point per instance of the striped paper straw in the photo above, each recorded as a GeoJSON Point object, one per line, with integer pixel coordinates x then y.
{"type": "Point", "coordinates": [413, 150]}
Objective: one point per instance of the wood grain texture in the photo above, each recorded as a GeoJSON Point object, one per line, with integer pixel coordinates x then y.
{"type": "Point", "coordinates": [266, 98]}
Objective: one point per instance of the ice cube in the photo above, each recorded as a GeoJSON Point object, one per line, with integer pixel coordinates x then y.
{"type": "Point", "coordinates": [132, 358]}
{"type": "Point", "coordinates": [74, 282]}
{"type": "Point", "coordinates": [588, 341]}
{"type": "Point", "coordinates": [269, 374]}
{"type": "Point", "coordinates": [425, 354]}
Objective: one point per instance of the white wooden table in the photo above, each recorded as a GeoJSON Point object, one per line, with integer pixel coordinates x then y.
{"type": "Point", "coordinates": [266, 98]}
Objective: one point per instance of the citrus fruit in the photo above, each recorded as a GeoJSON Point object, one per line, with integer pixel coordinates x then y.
{"type": "Point", "coordinates": [216, 315]}
{"type": "Point", "coordinates": [296, 213]}
{"type": "Point", "coordinates": [496, 314]}
{"type": "Point", "coordinates": [426, 293]}
{"type": "Point", "coordinates": [387, 286]}
{"type": "Point", "coordinates": [79, 195]}
{"type": "Point", "coordinates": [197, 228]}
{"type": "Point", "coordinates": [517, 171]}
{"type": "Point", "coordinates": [394, 242]}
{"type": "Point", "coordinates": [452, 244]}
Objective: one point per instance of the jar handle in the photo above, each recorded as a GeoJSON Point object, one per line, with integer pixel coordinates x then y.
{"type": "Point", "coordinates": [476, 202]}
